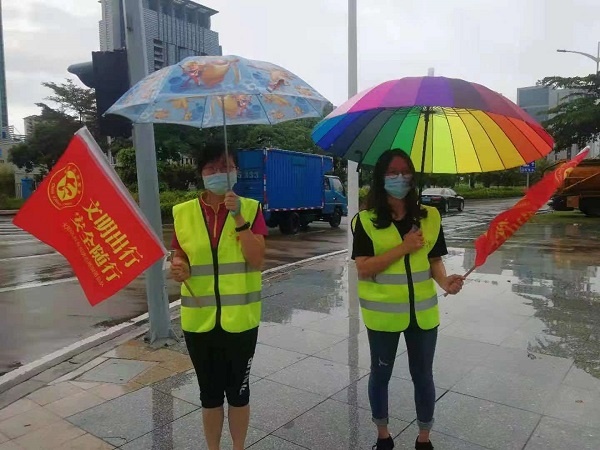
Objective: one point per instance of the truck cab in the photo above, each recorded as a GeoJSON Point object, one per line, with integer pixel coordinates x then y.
{"type": "Point", "coordinates": [335, 205]}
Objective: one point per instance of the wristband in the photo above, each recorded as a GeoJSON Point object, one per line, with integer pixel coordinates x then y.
{"type": "Point", "coordinates": [244, 227]}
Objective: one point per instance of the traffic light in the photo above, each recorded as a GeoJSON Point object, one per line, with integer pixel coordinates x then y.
{"type": "Point", "coordinates": [108, 75]}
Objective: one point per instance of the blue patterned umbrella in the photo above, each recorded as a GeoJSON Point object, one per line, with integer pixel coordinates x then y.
{"type": "Point", "coordinates": [209, 91]}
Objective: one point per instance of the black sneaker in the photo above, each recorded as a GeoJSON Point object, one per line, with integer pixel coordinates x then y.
{"type": "Point", "coordinates": [384, 444]}
{"type": "Point", "coordinates": [423, 445]}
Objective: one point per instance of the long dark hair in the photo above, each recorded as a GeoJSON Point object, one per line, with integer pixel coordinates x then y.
{"type": "Point", "coordinates": [377, 199]}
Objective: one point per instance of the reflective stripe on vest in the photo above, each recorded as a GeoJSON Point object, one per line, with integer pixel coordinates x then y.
{"type": "Point", "coordinates": [224, 269]}
{"type": "Point", "coordinates": [388, 278]}
{"type": "Point", "coordinates": [398, 308]}
{"type": "Point", "coordinates": [226, 300]}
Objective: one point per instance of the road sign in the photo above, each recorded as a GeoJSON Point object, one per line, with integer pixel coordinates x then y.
{"type": "Point", "coordinates": [528, 168]}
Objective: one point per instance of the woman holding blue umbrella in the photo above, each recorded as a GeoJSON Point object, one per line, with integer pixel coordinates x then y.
{"type": "Point", "coordinates": [398, 249]}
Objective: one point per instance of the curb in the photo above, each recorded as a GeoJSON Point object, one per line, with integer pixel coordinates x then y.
{"type": "Point", "coordinates": [73, 357]}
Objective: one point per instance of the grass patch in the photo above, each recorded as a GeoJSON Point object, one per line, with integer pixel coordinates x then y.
{"type": "Point", "coordinates": [11, 203]}
{"type": "Point", "coordinates": [565, 217]}
{"type": "Point", "coordinates": [494, 192]}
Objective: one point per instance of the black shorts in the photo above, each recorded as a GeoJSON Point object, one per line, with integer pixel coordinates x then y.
{"type": "Point", "coordinates": [222, 362]}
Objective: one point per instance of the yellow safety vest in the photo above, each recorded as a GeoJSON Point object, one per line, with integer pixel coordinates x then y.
{"type": "Point", "coordinates": [219, 277]}
{"type": "Point", "coordinates": [385, 298]}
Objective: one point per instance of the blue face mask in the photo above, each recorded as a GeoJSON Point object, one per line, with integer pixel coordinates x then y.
{"type": "Point", "coordinates": [217, 183]}
{"type": "Point", "coordinates": [398, 186]}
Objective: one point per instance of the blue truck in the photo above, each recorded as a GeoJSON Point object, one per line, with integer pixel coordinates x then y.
{"type": "Point", "coordinates": [294, 188]}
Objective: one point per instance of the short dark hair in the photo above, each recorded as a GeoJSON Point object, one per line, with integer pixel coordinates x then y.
{"type": "Point", "coordinates": [211, 152]}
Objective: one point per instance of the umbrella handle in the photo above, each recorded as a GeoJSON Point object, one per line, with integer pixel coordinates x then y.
{"type": "Point", "coordinates": [226, 145]}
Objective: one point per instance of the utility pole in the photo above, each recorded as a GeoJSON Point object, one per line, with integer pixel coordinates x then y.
{"type": "Point", "coordinates": [160, 333]}
{"type": "Point", "coordinates": [353, 186]}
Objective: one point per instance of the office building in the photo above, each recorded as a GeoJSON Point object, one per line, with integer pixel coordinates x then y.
{"type": "Point", "coordinates": [537, 101]}
{"type": "Point", "coordinates": [175, 29]}
{"type": "Point", "coordinates": [30, 123]}
{"type": "Point", "coordinates": [3, 101]}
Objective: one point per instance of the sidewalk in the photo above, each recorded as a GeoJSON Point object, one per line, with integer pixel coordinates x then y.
{"type": "Point", "coordinates": [309, 381]}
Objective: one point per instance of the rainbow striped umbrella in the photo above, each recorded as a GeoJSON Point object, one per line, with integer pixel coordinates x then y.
{"type": "Point", "coordinates": [460, 127]}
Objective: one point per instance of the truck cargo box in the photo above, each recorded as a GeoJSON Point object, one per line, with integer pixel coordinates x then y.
{"type": "Point", "coordinates": [281, 179]}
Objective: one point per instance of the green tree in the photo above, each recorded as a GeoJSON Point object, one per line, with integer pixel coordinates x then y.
{"type": "Point", "coordinates": [70, 107]}
{"type": "Point", "coordinates": [577, 119]}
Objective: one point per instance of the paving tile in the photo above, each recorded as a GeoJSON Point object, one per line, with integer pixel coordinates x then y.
{"type": "Point", "coordinates": [274, 443]}
{"type": "Point", "coordinates": [467, 351]}
{"type": "Point", "coordinates": [406, 440]}
{"type": "Point", "coordinates": [186, 433]}
{"type": "Point", "coordinates": [86, 442]}
{"type": "Point", "coordinates": [526, 363]}
{"type": "Point", "coordinates": [447, 371]}
{"type": "Point", "coordinates": [132, 415]}
{"type": "Point", "coordinates": [108, 391]}
{"type": "Point", "coordinates": [27, 422]}
{"type": "Point", "coordinates": [18, 407]}
{"type": "Point", "coordinates": [487, 332]}
{"type": "Point", "coordinates": [3, 438]}
{"type": "Point", "coordinates": [84, 385]}
{"type": "Point", "coordinates": [353, 351]}
{"type": "Point", "coordinates": [273, 404]}
{"type": "Point", "coordinates": [268, 360]}
{"type": "Point", "coordinates": [576, 405]}
{"type": "Point", "coordinates": [50, 437]}
{"type": "Point", "coordinates": [554, 434]}
{"type": "Point", "coordinates": [74, 404]}
{"type": "Point", "coordinates": [183, 386]}
{"type": "Point", "coordinates": [581, 379]}
{"type": "Point", "coordinates": [153, 375]}
{"type": "Point", "coordinates": [128, 351]}
{"type": "Point", "coordinates": [401, 397]}
{"type": "Point", "coordinates": [531, 394]}
{"type": "Point", "coordinates": [484, 423]}
{"type": "Point", "coordinates": [118, 371]}
{"type": "Point", "coordinates": [318, 375]}
{"type": "Point", "coordinates": [53, 393]}
{"type": "Point", "coordinates": [10, 445]}
{"type": "Point", "coordinates": [296, 339]}
{"type": "Point", "coordinates": [19, 391]}
{"type": "Point", "coordinates": [334, 424]}
{"type": "Point", "coordinates": [80, 371]}
{"type": "Point", "coordinates": [275, 312]}
{"type": "Point", "coordinates": [342, 326]}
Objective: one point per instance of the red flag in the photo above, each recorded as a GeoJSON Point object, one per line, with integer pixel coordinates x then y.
{"type": "Point", "coordinates": [505, 224]}
{"type": "Point", "coordinates": [84, 211]}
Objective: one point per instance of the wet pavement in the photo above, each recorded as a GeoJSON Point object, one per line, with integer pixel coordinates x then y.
{"type": "Point", "coordinates": [517, 363]}
{"type": "Point", "coordinates": [45, 310]}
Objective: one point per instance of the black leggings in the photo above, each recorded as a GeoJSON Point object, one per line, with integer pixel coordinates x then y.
{"type": "Point", "coordinates": [222, 362]}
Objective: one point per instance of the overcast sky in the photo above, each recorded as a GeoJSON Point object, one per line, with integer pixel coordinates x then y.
{"type": "Point", "coordinates": [501, 44]}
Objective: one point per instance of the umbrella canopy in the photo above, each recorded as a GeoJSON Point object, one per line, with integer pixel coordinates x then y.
{"type": "Point", "coordinates": [205, 91]}
{"type": "Point", "coordinates": [461, 127]}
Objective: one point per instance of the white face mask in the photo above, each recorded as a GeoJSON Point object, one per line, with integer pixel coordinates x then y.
{"type": "Point", "coordinates": [217, 182]}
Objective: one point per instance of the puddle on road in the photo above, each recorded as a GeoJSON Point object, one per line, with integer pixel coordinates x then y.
{"type": "Point", "coordinates": [554, 265]}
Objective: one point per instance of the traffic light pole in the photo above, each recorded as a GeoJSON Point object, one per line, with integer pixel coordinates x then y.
{"type": "Point", "coordinates": [161, 332]}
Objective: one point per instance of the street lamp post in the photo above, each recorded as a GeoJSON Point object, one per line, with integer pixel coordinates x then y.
{"type": "Point", "coordinates": [587, 55]}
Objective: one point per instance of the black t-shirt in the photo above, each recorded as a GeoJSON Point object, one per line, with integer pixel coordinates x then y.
{"type": "Point", "coordinates": [363, 245]}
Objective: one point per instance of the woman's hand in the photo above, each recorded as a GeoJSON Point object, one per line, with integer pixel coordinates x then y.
{"type": "Point", "coordinates": [232, 203]}
{"type": "Point", "coordinates": [452, 284]}
{"type": "Point", "coordinates": [180, 269]}
{"type": "Point", "coordinates": [413, 241]}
